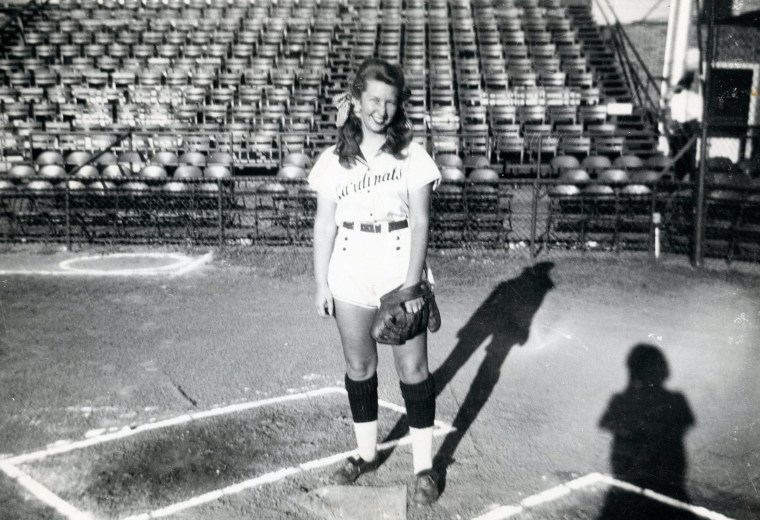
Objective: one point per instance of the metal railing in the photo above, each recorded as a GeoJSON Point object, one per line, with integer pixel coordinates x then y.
{"type": "Point", "coordinates": [641, 83]}
{"type": "Point", "coordinates": [537, 216]}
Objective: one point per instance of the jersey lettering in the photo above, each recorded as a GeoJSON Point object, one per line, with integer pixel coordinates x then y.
{"type": "Point", "coordinates": [368, 181]}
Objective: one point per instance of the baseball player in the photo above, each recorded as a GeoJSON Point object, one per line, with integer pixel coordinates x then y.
{"type": "Point", "coordinates": [370, 237]}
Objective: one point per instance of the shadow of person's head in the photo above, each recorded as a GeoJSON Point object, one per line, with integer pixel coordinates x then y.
{"type": "Point", "coordinates": [647, 366]}
{"type": "Point", "coordinates": [540, 270]}
{"type": "Point", "coordinates": [507, 313]}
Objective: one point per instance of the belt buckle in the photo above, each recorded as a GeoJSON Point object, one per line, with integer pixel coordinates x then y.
{"type": "Point", "coordinates": [378, 228]}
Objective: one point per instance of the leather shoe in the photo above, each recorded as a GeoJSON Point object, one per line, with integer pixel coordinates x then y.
{"type": "Point", "coordinates": [352, 469]}
{"type": "Point", "coordinates": [426, 487]}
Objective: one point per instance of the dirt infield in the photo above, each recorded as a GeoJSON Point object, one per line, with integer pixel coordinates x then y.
{"type": "Point", "coordinates": [527, 363]}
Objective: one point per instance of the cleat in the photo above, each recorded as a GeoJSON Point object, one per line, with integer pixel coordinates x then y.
{"type": "Point", "coordinates": [426, 488]}
{"type": "Point", "coordinates": [352, 469]}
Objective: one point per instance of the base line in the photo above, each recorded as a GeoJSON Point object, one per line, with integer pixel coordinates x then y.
{"type": "Point", "coordinates": [42, 493]}
{"type": "Point", "coordinates": [128, 431]}
{"type": "Point", "coordinates": [269, 478]}
{"type": "Point", "coordinates": [549, 495]}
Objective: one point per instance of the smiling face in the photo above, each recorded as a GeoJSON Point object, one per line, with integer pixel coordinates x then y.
{"type": "Point", "coordinates": [377, 106]}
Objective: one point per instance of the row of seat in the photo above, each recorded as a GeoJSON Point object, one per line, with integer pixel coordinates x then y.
{"type": "Point", "coordinates": [284, 96]}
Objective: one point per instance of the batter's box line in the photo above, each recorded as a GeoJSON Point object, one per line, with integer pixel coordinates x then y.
{"type": "Point", "coordinates": [552, 494]}
{"type": "Point", "coordinates": [9, 465]}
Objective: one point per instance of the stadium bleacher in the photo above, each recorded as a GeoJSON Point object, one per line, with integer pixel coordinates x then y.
{"type": "Point", "coordinates": [257, 76]}
{"type": "Point", "coordinates": [183, 95]}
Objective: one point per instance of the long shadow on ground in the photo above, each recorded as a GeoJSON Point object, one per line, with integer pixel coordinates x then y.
{"type": "Point", "coordinates": [505, 317]}
{"type": "Point", "coordinates": [648, 423]}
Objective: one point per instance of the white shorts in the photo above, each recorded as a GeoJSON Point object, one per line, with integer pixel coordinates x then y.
{"type": "Point", "coordinates": [364, 266]}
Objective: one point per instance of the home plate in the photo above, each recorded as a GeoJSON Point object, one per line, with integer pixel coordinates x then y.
{"type": "Point", "coordinates": [146, 263]}
{"type": "Point", "coordinates": [365, 502]}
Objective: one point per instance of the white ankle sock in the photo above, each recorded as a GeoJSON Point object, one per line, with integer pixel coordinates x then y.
{"type": "Point", "coordinates": [422, 448]}
{"type": "Point", "coordinates": [366, 439]}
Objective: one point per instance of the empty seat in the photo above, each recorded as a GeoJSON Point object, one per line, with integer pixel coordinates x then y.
{"type": "Point", "coordinates": [78, 158]}
{"type": "Point", "coordinates": [192, 159]}
{"type": "Point", "coordinates": [483, 175]}
{"type": "Point", "coordinates": [596, 163]}
{"type": "Point", "coordinates": [217, 171]}
{"type": "Point", "coordinates": [531, 113]}
{"type": "Point", "coordinates": [220, 158]}
{"type": "Point", "coordinates": [188, 171]}
{"type": "Point", "coordinates": [165, 158]}
{"type": "Point", "coordinates": [645, 176]}
{"type": "Point", "coordinates": [115, 171]}
{"type": "Point", "coordinates": [452, 173]}
{"type": "Point", "coordinates": [131, 160]}
{"type": "Point", "coordinates": [449, 161]}
{"type": "Point", "coordinates": [628, 162]}
{"type": "Point", "coordinates": [575, 175]}
{"type": "Point", "coordinates": [659, 162]}
{"type": "Point", "coordinates": [475, 162]}
{"type": "Point", "coordinates": [564, 162]}
{"type": "Point", "coordinates": [613, 176]}
{"type": "Point", "coordinates": [87, 171]}
{"type": "Point", "coordinates": [297, 159]}
{"type": "Point", "coordinates": [291, 171]}
{"type": "Point", "coordinates": [50, 157]}
{"type": "Point", "coordinates": [153, 171]}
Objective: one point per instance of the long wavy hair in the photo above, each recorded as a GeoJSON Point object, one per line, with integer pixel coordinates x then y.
{"type": "Point", "coordinates": [399, 131]}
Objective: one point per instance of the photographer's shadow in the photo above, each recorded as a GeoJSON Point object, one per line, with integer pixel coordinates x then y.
{"type": "Point", "coordinates": [648, 423]}
{"type": "Point", "coordinates": [503, 320]}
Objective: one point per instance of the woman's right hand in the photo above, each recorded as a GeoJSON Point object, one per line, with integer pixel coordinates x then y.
{"type": "Point", "coordinates": [324, 302]}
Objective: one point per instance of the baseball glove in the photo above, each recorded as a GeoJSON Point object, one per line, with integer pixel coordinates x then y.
{"type": "Point", "coordinates": [393, 325]}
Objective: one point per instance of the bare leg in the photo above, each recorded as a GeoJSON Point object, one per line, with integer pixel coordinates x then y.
{"type": "Point", "coordinates": [360, 353]}
{"type": "Point", "coordinates": [359, 349]}
{"type": "Point", "coordinates": [411, 360]}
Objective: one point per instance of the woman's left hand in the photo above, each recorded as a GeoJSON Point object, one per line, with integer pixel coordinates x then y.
{"type": "Point", "coordinates": [413, 306]}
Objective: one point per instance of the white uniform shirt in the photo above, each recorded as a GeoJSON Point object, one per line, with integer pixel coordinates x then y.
{"type": "Point", "coordinates": [376, 190]}
{"type": "Point", "coordinates": [686, 106]}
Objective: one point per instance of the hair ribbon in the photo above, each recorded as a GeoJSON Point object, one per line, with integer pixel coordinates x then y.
{"type": "Point", "coordinates": [343, 103]}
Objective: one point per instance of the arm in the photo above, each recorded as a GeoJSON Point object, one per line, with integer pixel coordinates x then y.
{"type": "Point", "coordinates": [324, 238]}
{"type": "Point", "coordinates": [419, 224]}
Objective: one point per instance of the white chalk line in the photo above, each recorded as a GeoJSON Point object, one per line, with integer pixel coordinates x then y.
{"type": "Point", "coordinates": [182, 265]}
{"type": "Point", "coordinates": [549, 495]}
{"type": "Point", "coordinates": [66, 446]}
{"type": "Point", "coordinates": [268, 478]}
{"type": "Point", "coordinates": [42, 493]}
{"type": "Point", "coordinates": [9, 465]}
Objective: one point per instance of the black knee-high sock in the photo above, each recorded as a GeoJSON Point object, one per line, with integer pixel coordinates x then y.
{"type": "Point", "coordinates": [419, 399]}
{"type": "Point", "coordinates": [362, 396]}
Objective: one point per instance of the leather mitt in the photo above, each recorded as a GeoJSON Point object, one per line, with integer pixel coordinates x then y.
{"type": "Point", "coordinates": [393, 325]}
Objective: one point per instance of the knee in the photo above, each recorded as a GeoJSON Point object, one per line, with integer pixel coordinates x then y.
{"type": "Point", "coordinates": [413, 372]}
{"type": "Point", "coordinates": [361, 369]}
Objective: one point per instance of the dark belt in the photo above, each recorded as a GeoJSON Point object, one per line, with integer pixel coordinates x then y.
{"type": "Point", "coordinates": [378, 228]}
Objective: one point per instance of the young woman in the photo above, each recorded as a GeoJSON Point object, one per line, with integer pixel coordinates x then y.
{"type": "Point", "coordinates": [370, 237]}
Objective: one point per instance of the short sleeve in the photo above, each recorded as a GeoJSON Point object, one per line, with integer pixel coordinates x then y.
{"type": "Point", "coordinates": [320, 177]}
{"type": "Point", "coordinates": [421, 169]}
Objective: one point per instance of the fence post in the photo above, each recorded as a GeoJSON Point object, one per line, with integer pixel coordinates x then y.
{"type": "Point", "coordinates": [654, 222]}
{"type": "Point", "coordinates": [68, 217]}
{"type": "Point", "coordinates": [698, 253]}
{"type": "Point", "coordinates": [220, 219]}
{"type": "Point", "coordinates": [534, 202]}
{"type": "Point", "coordinates": [115, 211]}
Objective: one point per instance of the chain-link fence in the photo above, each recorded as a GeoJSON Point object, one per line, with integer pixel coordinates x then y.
{"type": "Point", "coordinates": [540, 218]}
